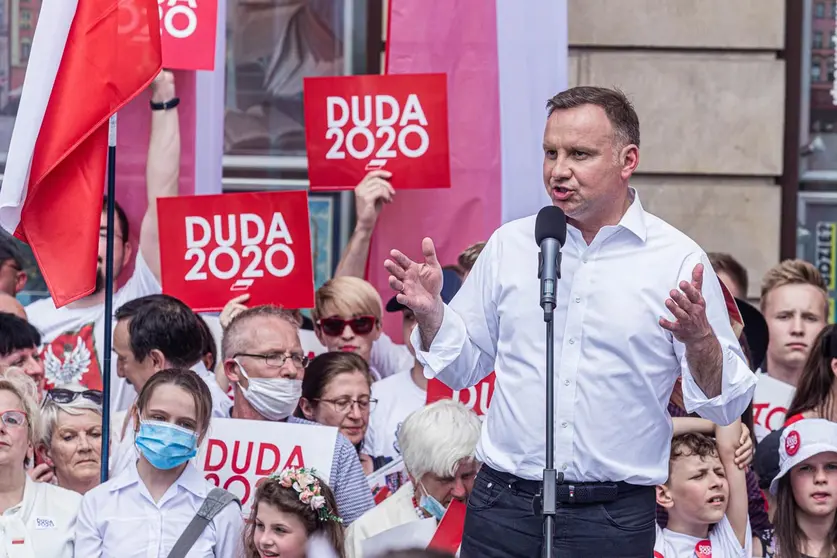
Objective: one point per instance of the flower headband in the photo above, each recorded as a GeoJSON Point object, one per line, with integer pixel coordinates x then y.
{"type": "Point", "coordinates": [306, 483]}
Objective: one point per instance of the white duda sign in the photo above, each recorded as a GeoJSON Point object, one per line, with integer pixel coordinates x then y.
{"type": "Point", "coordinates": [359, 142]}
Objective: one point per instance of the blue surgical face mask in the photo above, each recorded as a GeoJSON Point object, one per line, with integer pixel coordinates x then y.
{"type": "Point", "coordinates": [431, 505]}
{"type": "Point", "coordinates": [166, 445]}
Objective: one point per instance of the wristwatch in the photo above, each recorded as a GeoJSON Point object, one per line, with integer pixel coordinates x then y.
{"type": "Point", "coordinates": [165, 105]}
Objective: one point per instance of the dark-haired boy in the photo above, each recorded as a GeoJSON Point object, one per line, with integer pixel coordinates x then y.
{"type": "Point", "coordinates": [705, 495]}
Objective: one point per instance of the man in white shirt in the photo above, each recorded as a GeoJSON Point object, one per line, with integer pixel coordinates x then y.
{"type": "Point", "coordinates": [74, 334]}
{"type": "Point", "coordinates": [637, 306]}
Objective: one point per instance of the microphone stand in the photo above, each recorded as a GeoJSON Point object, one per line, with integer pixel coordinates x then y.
{"type": "Point", "coordinates": [549, 491]}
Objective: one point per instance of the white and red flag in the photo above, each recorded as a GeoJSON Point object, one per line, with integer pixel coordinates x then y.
{"type": "Point", "coordinates": [88, 59]}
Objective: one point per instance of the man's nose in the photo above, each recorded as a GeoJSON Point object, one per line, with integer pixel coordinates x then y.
{"type": "Point", "coordinates": [459, 491]}
{"type": "Point", "coordinates": [561, 170]}
{"type": "Point", "coordinates": [797, 325]}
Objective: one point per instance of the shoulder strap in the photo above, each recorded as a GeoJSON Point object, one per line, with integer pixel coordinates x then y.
{"type": "Point", "coordinates": [216, 500]}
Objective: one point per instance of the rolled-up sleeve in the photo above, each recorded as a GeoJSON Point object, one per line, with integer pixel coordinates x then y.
{"type": "Point", "coordinates": [738, 382]}
{"type": "Point", "coordinates": [464, 348]}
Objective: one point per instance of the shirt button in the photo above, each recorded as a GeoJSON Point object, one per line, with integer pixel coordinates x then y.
{"type": "Point", "coordinates": [564, 467]}
{"type": "Point", "coordinates": [572, 341]}
{"type": "Point", "coordinates": [578, 299]}
{"type": "Point", "coordinates": [566, 382]}
{"type": "Point", "coordinates": [564, 424]}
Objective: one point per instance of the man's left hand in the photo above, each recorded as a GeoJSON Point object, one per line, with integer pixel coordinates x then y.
{"type": "Point", "coordinates": [689, 310]}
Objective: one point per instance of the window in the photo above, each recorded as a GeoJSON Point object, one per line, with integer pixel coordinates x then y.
{"type": "Point", "coordinates": [25, 21]}
{"type": "Point", "coordinates": [819, 10]}
{"type": "Point", "coordinates": [818, 39]}
{"type": "Point", "coordinates": [816, 69]}
{"type": "Point", "coordinates": [829, 69]}
{"type": "Point", "coordinates": [25, 48]}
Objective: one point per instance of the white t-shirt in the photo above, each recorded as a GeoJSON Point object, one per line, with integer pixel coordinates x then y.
{"type": "Point", "coordinates": [74, 338]}
{"type": "Point", "coordinates": [770, 404]}
{"type": "Point", "coordinates": [388, 358]}
{"type": "Point", "coordinates": [398, 396]}
{"type": "Point", "coordinates": [722, 540]}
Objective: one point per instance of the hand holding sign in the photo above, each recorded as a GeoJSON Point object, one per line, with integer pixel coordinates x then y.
{"type": "Point", "coordinates": [419, 285]}
{"type": "Point", "coordinates": [689, 310]}
{"type": "Point", "coordinates": [370, 196]}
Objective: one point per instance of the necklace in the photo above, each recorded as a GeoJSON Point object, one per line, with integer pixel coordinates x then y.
{"type": "Point", "coordinates": [420, 512]}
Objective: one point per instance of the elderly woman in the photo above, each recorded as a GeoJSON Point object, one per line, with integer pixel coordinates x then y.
{"type": "Point", "coordinates": [70, 442]}
{"type": "Point", "coordinates": [437, 443]}
{"type": "Point", "coordinates": [38, 519]}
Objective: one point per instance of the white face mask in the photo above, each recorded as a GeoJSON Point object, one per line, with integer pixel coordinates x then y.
{"type": "Point", "coordinates": [273, 398]}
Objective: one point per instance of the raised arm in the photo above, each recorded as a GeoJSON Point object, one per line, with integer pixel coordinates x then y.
{"type": "Point", "coordinates": [729, 440]}
{"type": "Point", "coordinates": [370, 196]}
{"type": "Point", "coordinates": [162, 169]}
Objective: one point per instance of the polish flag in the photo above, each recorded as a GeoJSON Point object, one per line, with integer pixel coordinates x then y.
{"type": "Point", "coordinates": [88, 59]}
{"type": "Point", "coordinates": [503, 60]}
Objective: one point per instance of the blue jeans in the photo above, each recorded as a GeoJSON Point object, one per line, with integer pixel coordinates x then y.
{"type": "Point", "coordinates": [501, 522]}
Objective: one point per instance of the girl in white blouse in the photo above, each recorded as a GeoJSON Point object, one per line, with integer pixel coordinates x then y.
{"type": "Point", "coordinates": [36, 519]}
{"type": "Point", "coordinates": [145, 509]}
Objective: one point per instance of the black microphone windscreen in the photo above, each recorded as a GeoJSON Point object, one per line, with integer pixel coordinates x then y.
{"type": "Point", "coordinates": [551, 223]}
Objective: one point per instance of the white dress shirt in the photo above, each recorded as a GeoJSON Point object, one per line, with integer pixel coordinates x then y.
{"type": "Point", "coordinates": [42, 524]}
{"type": "Point", "coordinates": [615, 367]}
{"type": "Point", "coordinates": [120, 518]}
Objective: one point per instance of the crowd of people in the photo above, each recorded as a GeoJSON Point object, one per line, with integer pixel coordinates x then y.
{"type": "Point", "coordinates": [737, 483]}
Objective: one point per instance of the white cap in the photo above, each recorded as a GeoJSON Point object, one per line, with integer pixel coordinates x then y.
{"type": "Point", "coordinates": [802, 440]}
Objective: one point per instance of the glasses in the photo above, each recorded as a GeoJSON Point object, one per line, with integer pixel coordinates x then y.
{"type": "Point", "coordinates": [336, 326]}
{"type": "Point", "coordinates": [344, 404]}
{"type": "Point", "coordinates": [64, 396]}
{"type": "Point", "coordinates": [13, 418]}
{"type": "Point", "coordinates": [277, 360]}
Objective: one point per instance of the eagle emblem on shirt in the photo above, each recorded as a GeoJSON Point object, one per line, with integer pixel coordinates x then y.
{"type": "Point", "coordinates": [71, 358]}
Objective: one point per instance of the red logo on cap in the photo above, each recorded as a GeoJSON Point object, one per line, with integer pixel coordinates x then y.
{"type": "Point", "coordinates": [703, 549]}
{"type": "Point", "coordinates": [792, 443]}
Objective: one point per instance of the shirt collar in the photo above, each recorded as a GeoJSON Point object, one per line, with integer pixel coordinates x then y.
{"type": "Point", "coordinates": [634, 217]}
{"type": "Point", "coordinates": [190, 480]}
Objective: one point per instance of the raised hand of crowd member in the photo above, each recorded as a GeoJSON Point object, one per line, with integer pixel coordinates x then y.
{"type": "Point", "coordinates": [744, 450]}
{"type": "Point", "coordinates": [371, 194]}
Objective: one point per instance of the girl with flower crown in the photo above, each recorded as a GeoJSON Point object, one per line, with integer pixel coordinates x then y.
{"type": "Point", "coordinates": [289, 508]}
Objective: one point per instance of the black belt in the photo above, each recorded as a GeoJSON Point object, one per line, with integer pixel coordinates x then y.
{"type": "Point", "coordinates": [568, 492]}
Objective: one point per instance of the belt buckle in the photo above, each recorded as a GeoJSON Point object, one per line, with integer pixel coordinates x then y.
{"type": "Point", "coordinates": [572, 493]}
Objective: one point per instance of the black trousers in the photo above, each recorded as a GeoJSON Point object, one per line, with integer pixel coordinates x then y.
{"type": "Point", "coordinates": [501, 522]}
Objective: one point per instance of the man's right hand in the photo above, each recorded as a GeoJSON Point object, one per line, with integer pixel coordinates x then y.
{"type": "Point", "coordinates": [370, 196]}
{"type": "Point", "coordinates": [419, 286]}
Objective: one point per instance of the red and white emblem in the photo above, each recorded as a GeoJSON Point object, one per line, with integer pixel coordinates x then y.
{"type": "Point", "coordinates": [792, 443]}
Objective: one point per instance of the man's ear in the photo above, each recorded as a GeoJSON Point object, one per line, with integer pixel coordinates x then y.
{"type": "Point", "coordinates": [231, 370]}
{"type": "Point", "coordinates": [127, 253]}
{"type": "Point", "coordinates": [664, 497]}
{"type": "Point", "coordinates": [158, 360]}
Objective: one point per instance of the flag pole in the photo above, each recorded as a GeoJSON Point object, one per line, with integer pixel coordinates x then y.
{"type": "Point", "coordinates": [108, 329]}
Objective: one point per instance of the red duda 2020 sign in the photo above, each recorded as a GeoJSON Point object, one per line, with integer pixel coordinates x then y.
{"type": "Point", "coordinates": [187, 31]}
{"type": "Point", "coordinates": [476, 397]}
{"type": "Point", "coordinates": [398, 123]}
{"type": "Point", "coordinates": [213, 248]}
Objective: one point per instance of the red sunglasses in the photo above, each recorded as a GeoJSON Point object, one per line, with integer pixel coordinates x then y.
{"type": "Point", "coordinates": [336, 326]}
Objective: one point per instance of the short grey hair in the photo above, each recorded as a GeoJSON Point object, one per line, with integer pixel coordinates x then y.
{"type": "Point", "coordinates": [231, 343]}
{"type": "Point", "coordinates": [50, 412]}
{"type": "Point", "coordinates": [435, 438]}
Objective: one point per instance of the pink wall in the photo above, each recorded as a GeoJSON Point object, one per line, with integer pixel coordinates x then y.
{"type": "Point", "coordinates": [132, 149]}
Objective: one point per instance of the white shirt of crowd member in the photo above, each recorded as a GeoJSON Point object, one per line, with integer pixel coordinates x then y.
{"type": "Point", "coordinates": [70, 439]}
{"type": "Point", "coordinates": [162, 491]}
{"type": "Point", "coordinates": [706, 493]}
{"type": "Point", "coordinates": [795, 304]}
{"type": "Point", "coordinates": [404, 392]}
{"type": "Point", "coordinates": [263, 359]}
{"type": "Point", "coordinates": [38, 518]}
{"type": "Point", "coordinates": [154, 333]}
{"type": "Point", "coordinates": [74, 334]}
{"type": "Point", "coordinates": [20, 346]}
{"type": "Point", "coordinates": [805, 490]}
{"type": "Point", "coordinates": [438, 444]}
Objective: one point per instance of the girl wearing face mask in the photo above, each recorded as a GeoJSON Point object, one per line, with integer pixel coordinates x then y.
{"type": "Point", "coordinates": [806, 491]}
{"type": "Point", "coordinates": [144, 510]}
{"type": "Point", "coordinates": [289, 508]}
{"type": "Point", "coordinates": [336, 392]}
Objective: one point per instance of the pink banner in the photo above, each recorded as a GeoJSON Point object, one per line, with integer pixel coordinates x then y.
{"type": "Point", "coordinates": [459, 39]}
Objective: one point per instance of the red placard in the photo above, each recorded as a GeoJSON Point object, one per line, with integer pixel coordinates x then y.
{"type": "Point", "coordinates": [213, 248]}
{"type": "Point", "coordinates": [187, 31]}
{"type": "Point", "coordinates": [476, 397]}
{"type": "Point", "coordinates": [398, 123]}
{"type": "Point", "coordinates": [448, 536]}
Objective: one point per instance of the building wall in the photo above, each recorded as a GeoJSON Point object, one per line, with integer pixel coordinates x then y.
{"type": "Point", "coordinates": [709, 89]}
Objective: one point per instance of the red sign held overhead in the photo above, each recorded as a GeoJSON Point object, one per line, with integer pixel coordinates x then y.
{"type": "Point", "coordinates": [476, 397]}
{"type": "Point", "coordinates": [187, 31]}
{"type": "Point", "coordinates": [398, 123]}
{"type": "Point", "coordinates": [216, 247]}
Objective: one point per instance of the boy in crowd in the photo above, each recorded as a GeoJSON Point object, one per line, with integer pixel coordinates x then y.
{"type": "Point", "coordinates": [705, 494]}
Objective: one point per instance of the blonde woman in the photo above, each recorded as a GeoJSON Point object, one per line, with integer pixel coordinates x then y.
{"type": "Point", "coordinates": [38, 519]}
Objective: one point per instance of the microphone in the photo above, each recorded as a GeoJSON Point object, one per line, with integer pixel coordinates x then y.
{"type": "Point", "coordinates": [550, 235]}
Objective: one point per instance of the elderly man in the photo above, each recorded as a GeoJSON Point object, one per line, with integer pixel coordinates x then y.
{"type": "Point", "coordinates": [638, 306]}
{"type": "Point", "coordinates": [264, 361]}
{"type": "Point", "coordinates": [438, 444]}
